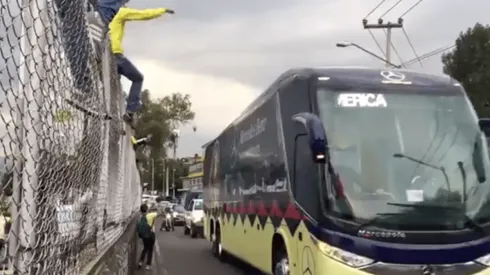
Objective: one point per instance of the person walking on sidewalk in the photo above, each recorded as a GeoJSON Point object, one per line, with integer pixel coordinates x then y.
{"type": "Point", "coordinates": [146, 232]}
{"type": "Point", "coordinates": [124, 66]}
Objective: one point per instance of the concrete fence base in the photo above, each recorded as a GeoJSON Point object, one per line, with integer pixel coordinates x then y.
{"type": "Point", "coordinates": [120, 258]}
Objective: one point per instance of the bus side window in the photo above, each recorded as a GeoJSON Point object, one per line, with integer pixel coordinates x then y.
{"type": "Point", "coordinates": [305, 175]}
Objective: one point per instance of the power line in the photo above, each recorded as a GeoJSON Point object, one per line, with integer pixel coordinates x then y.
{"type": "Point", "coordinates": [376, 41]}
{"type": "Point", "coordinates": [390, 9]}
{"type": "Point", "coordinates": [429, 54]}
{"type": "Point", "coordinates": [375, 8]}
{"type": "Point", "coordinates": [411, 46]}
{"type": "Point", "coordinates": [394, 49]}
{"type": "Point", "coordinates": [411, 8]}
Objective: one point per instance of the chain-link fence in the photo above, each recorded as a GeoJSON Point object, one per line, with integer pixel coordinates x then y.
{"type": "Point", "coordinates": [70, 184]}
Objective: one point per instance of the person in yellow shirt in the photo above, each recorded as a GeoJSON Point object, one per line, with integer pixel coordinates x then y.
{"type": "Point", "coordinates": [146, 231]}
{"type": "Point", "coordinates": [124, 66]}
{"type": "Point", "coordinates": [140, 142]}
{"type": "Point", "coordinates": [4, 222]}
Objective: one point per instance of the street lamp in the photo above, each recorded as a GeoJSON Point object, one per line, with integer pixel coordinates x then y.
{"type": "Point", "coordinates": [348, 44]}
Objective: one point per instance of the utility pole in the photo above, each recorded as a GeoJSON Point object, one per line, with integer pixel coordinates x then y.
{"type": "Point", "coordinates": [173, 182]}
{"type": "Point", "coordinates": [164, 165]}
{"type": "Point", "coordinates": [174, 138]}
{"type": "Point", "coordinates": [152, 175]}
{"type": "Point", "coordinates": [166, 180]}
{"type": "Point", "coordinates": [389, 26]}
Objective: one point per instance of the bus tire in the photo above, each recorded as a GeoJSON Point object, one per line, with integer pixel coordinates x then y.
{"type": "Point", "coordinates": [280, 263]}
{"type": "Point", "coordinates": [193, 232]}
{"type": "Point", "coordinates": [217, 248]}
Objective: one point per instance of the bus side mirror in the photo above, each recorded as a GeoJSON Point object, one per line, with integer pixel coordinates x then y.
{"type": "Point", "coordinates": [484, 124]}
{"type": "Point", "coordinates": [316, 135]}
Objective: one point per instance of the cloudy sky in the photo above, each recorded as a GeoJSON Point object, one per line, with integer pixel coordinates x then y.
{"type": "Point", "coordinates": [224, 53]}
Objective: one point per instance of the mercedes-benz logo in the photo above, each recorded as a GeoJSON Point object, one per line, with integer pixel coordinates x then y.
{"type": "Point", "coordinates": [307, 262]}
{"type": "Point", "coordinates": [428, 270]}
{"type": "Point", "coordinates": [393, 76]}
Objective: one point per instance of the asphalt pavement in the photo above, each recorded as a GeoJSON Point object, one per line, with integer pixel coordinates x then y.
{"type": "Point", "coordinates": [178, 254]}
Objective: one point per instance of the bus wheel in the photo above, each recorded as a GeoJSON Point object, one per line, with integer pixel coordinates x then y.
{"type": "Point", "coordinates": [217, 248]}
{"type": "Point", "coordinates": [281, 263]}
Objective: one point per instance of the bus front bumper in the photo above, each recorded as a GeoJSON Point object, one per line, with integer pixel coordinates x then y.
{"type": "Point", "coordinates": [326, 265]}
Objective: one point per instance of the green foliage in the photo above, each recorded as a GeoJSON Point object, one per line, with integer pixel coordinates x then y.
{"type": "Point", "coordinates": [158, 117]}
{"type": "Point", "coordinates": [469, 63]}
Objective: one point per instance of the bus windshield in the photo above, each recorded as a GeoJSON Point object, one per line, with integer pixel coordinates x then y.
{"type": "Point", "coordinates": [405, 160]}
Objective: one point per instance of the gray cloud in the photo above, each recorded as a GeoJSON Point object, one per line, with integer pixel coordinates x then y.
{"type": "Point", "coordinates": [252, 42]}
{"type": "Point", "coordinates": [225, 52]}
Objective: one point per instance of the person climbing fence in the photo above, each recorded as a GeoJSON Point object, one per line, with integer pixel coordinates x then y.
{"type": "Point", "coordinates": [124, 66]}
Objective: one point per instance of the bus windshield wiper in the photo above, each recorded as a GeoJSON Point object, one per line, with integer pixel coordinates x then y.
{"type": "Point", "coordinates": [474, 225]}
{"type": "Point", "coordinates": [440, 168]}
{"type": "Point", "coordinates": [375, 219]}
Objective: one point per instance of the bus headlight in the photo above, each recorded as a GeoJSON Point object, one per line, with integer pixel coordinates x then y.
{"type": "Point", "coordinates": [485, 260]}
{"type": "Point", "coordinates": [342, 256]}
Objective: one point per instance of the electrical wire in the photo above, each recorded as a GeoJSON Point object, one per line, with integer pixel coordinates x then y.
{"type": "Point", "coordinates": [376, 41]}
{"type": "Point", "coordinates": [426, 57]}
{"type": "Point", "coordinates": [394, 49]}
{"type": "Point", "coordinates": [411, 46]}
{"type": "Point", "coordinates": [375, 8]}
{"type": "Point", "coordinates": [411, 8]}
{"type": "Point", "coordinates": [390, 9]}
{"type": "Point", "coordinates": [429, 54]}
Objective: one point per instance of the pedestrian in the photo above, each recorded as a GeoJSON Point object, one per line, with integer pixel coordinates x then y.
{"type": "Point", "coordinates": [4, 229]}
{"type": "Point", "coordinates": [146, 232]}
{"type": "Point", "coordinates": [124, 66]}
{"type": "Point", "coordinates": [140, 142]}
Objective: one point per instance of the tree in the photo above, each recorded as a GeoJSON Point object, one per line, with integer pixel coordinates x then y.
{"type": "Point", "coordinates": [157, 118]}
{"type": "Point", "coordinates": [469, 63]}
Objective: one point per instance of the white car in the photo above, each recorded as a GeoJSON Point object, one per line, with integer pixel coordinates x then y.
{"type": "Point", "coordinates": [194, 217]}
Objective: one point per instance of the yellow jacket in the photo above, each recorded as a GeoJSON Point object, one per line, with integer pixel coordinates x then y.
{"type": "Point", "coordinates": [150, 218]}
{"type": "Point", "coordinates": [116, 27]}
{"type": "Point", "coordinates": [3, 222]}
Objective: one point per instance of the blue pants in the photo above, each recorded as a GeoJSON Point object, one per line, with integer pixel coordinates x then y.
{"type": "Point", "coordinates": [126, 68]}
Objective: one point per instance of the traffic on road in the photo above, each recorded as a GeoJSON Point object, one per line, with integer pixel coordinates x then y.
{"type": "Point", "coordinates": [377, 197]}
{"type": "Point", "coordinates": [179, 254]}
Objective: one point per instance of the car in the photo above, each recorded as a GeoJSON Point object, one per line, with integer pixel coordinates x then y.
{"type": "Point", "coordinates": [188, 196]}
{"type": "Point", "coordinates": [178, 213]}
{"type": "Point", "coordinates": [194, 219]}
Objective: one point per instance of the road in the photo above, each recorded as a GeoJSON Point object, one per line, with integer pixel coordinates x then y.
{"type": "Point", "coordinates": [178, 254]}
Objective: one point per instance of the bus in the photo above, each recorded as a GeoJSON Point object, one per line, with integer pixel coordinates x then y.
{"type": "Point", "coordinates": [352, 171]}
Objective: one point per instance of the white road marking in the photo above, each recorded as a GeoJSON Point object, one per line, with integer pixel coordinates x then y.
{"type": "Point", "coordinates": [158, 251]}
{"type": "Point", "coordinates": [157, 256]}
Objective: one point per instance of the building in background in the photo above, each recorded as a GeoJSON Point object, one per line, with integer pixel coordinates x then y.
{"type": "Point", "coordinates": [193, 180]}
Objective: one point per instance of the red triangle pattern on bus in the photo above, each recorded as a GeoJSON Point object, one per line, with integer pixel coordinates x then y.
{"type": "Point", "coordinates": [275, 211]}
{"type": "Point", "coordinates": [251, 208]}
{"type": "Point", "coordinates": [292, 212]}
{"type": "Point", "coordinates": [260, 209]}
{"type": "Point", "coordinates": [242, 209]}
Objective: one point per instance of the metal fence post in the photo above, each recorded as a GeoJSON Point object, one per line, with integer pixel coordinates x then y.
{"type": "Point", "coordinates": [105, 180]}
{"type": "Point", "coordinates": [34, 42]}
